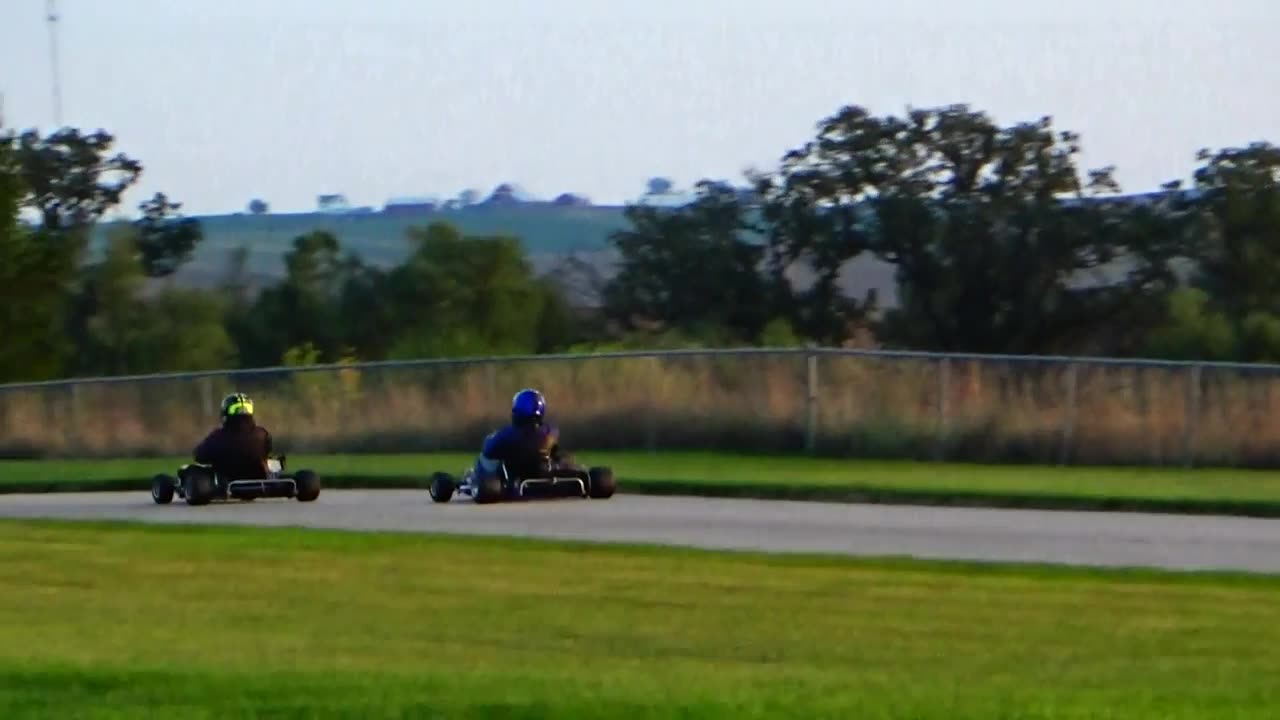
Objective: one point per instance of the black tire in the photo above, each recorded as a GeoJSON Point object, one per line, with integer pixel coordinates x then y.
{"type": "Point", "coordinates": [442, 487]}
{"type": "Point", "coordinates": [308, 486]}
{"type": "Point", "coordinates": [197, 486]}
{"type": "Point", "coordinates": [601, 484]}
{"type": "Point", "coordinates": [162, 487]}
{"type": "Point", "coordinates": [489, 490]}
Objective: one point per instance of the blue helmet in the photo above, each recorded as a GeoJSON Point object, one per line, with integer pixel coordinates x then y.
{"type": "Point", "coordinates": [528, 406]}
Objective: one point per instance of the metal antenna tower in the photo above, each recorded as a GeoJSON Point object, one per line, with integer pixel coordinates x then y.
{"type": "Point", "coordinates": [51, 16]}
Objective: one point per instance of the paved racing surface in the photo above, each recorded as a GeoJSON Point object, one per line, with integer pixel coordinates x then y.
{"type": "Point", "coordinates": [1104, 539]}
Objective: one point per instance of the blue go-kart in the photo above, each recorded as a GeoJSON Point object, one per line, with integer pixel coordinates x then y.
{"type": "Point", "coordinates": [553, 481]}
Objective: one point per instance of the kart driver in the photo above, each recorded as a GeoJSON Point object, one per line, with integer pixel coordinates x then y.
{"type": "Point", "coordinates": [239, 449]}
{"type": "Point", "coordinates": [528, 447]}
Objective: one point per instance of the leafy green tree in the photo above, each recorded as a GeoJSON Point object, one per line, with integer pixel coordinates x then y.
{"type": "Point", "coordinates": [115, 319]}
{"type": "Point", "coordinates": [1236, 194]}
{"type": "Point", "coordinates": [1192, 330]}
{"type": "Point", "coordinates": [73, 179]}
{"type": "Point", "coordinates": [368, 312]}
{"type": "Point", "coordinates": [303, 308]}
{"type": "Point", "coordinates": [129, 331]}
{"type": "Point", "coordinates": [183, 330]}
{"type": "Point", "coordinates": [70, 180]}
{"type": "Point", "coordinates": [1000, 242]}
{"type": "Point", "coordinates": [815, 211]}
{"type": "Point", "coordinates": [462, 295]}
{"type": "Point", "coordinates": [693, 267]}
{"type": "Point", "coordinates": [165, 238]}
{"type": "Point", "coordinates": [1259, 338]}
{"type": "Point", "coordinates": [34, 276]}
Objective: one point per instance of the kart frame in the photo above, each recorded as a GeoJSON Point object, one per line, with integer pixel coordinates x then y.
{"type": "Point", "coordinates": [204, 486]}
{"type": "Point", "coordinates": [566, 480]}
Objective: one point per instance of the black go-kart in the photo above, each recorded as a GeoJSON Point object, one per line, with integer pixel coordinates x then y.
{"type": "Point", "coordinates": [199, 485]}
{"type": "Point", "coordinates": [557, 481]}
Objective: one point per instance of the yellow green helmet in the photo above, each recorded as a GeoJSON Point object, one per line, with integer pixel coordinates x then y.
{"type": "Point", "coordinates": [237, 404]}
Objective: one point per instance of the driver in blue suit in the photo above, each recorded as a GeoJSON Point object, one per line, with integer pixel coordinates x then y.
{"type": "Point", "coordinates": [528, 447]}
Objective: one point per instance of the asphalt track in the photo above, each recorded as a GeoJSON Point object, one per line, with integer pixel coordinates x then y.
{"type": "Point", "coordinates": [1077, 538]}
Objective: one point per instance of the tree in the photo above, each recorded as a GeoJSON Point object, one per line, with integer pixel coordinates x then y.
{"type": "Point", "coordinates": [302, 308]}
{"type": "Point", "coordinates": [164, 238]}
{"type": "Point", "coordinates": [1236, 197]}
{"type": "Point", "coordinates": [1192, 330]}
{"type": "Point", "coordinates": [183, 330]}
{"type": "Point", "coordinates": [73, 179]}
{"type": "Point", "coordinates": [659, 186]}
{"type": "Point", "coordinates": [34, 275]}
{"type": "Point", "coordinates": [1000, 242]}
{"type": "Point", "coordinates": [126, 332]}
{"type": "Point", "coordinates": [691, 268]}
{"type": "Point", "coordinates": [368, 312]}
{"type": "Point", "coordinates": [814, 209]}
{"type": "Point", "coordinates": [459, 294]}
{"type": "Point", "coordinates": [112, 309]}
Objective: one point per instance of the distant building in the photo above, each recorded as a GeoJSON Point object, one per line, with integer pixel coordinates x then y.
{"type": "Point", "coordinates": [571, 200]}
{"type": "Point", "coordinates": [672, 199]}
{"type": "Point", "coordinates": [411, 206]}
{"type": "Point", "coordinates": [333, 203]}
{"type": "Point", "coordinates": [509, 194]}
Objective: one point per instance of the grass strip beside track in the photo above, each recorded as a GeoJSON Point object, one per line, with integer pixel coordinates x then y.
{"type": "Point", "coordinates": [1218, 491]}
{"type": "Point", "coordinates": [114, 621]}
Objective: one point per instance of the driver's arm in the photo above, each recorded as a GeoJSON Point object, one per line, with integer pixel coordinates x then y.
{"type": "Point", "coordinates": [206, 452]}
{"type": "Point", "coordinates": [553, 441]}
{"type": "Point", "coordinates": [493, 451]}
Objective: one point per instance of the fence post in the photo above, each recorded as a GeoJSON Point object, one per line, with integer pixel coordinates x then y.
{"type": "Point", "coordinates": [944, 394]}
{"type": "Point", "coordinates": [811, 403]}
{"type": "Point", "coordinates": [1069, 421]}
{"type": "Point", "coordinates": [77, 430]}
{"type": "Point", "coordinates": [491, 379]}
{"type": "Point", "coordinates": [651, 408]}
{"type": "Point", "coordinates": [1192, 418]}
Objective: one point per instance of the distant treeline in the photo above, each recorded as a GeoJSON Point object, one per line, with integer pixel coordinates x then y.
{"type": "Point", "coordinates": [986, 227]}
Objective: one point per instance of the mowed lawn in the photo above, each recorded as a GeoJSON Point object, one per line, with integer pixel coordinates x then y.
{"type": "Point", "coordinates": [692, 469]}
{"type": "Point", "coordinates": [117, 621]}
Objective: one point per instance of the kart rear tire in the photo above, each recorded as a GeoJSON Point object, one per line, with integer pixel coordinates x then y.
{"type": "Point", "coordinates": [308, 484]}
{"type": "Point", "coordinates": [601, 485]}
{"type": "Point", "coordinates": [442, 487]}
{"type": "Point", "coordinates": [488, 490]}
{"type": "Point", "coordinates": [162, 487]}
{"type": "Point", "coordinates": [197, 486]}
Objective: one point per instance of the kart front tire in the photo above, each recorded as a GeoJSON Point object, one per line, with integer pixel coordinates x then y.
{"type": "Point", "coordinates": [442, 487]}
{"type": "Point", "coordinates": [601, 485]}
{"type": "Point", "coordinates": [308, 484]}
{"type": "Point", "coordinates": [162, 489]}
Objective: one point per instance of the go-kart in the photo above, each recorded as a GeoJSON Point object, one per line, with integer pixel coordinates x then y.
{"type": "Point", "coordinates": [553, 481]}
{"type": "Point", "coordinates": [200, 485]}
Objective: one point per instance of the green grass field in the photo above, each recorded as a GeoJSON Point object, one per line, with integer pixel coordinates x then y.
{"type": "Point", "coordinates": [116, 621]}
{"type": "Point", "coordinates": [1254, 492]}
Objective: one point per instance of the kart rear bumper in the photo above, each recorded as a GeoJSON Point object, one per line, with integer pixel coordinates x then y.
{"type": "Point", "coordinates": [268, 488]}
{"type": "Point", "coordinates": [562, 486]}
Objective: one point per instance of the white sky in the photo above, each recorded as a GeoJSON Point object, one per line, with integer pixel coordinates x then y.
{"type": "Point", "coordinates": [225, 100]}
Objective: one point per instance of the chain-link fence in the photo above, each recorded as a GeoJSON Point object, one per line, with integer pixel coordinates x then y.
{"type": "Point", "coordinates": [825, 401]}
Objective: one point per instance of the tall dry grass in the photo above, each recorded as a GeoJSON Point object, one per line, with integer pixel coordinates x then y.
{"type": "Point", "coordinates": [987, 411]}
